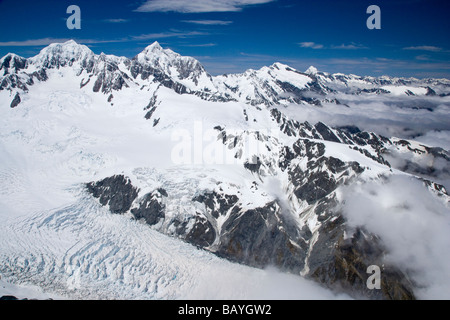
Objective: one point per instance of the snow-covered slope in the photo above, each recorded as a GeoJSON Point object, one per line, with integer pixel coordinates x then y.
{"type": "Point", "coordinates": [149, 178]}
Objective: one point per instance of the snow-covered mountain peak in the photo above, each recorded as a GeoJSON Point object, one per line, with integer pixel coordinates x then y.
{"type": "Point", "coordinates": [154, 47]}
{"type": "Point", "coordinates": [158, 57]}
{"type": "Point", "coordinates": [280, 66]}
{"type": "Point", "coordinates": [10, 56]}
{"type": "Point", "coordinates": [312, 70]}
{"type": "Point", "coordinates": [69, 48]}
{"type": "Point", "coordinates": [12, 60]}
{"type": "Point", "coordinates": [62, 54]}
{"type": "Point", "coordinates": [154, 52]}
{"type": "Point", "coordinates": [171, 68]}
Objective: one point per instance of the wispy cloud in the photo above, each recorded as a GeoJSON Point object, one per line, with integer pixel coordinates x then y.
{"type": "Point", "coordinates": [209, 22]}
{"type": "Point", "coordinates": [32, 42]}
{"type": "Point", "coordinates": [150, 36]}
{"type": "Point", "coordinates": [352, 46]}
{"type": "Point", "coordinates": [197, 6]}
{"type": "Point", "coordinates": [424, 48]}
{"type": "Point", "coordinates": [423, 57]}
{"type": "Point", "coordinates": [311, 45]}
{"type": "Point", "coordinates": [115, 20]}
{"type": "Point", "coordinates": [47, 41]}
{"type": "Point", "coordinates": [169, 34]}
{"type": "Point", "coordinates": [200, 45]}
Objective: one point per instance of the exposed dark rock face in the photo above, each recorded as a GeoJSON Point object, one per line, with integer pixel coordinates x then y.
{"type": "Point", "coordinates": [110, 79]}
{"type": "Point", "coordinates": [12, 64]}
{"type": "Point", "coordinates": [15, 102]}
{"type": "Point", "coordinates": [262, 236]}
{"type": "Point", "coordinates": [326, 132]}
{"type": "Point", "coordinates": [145, 71]}
{"type": "Point", "coordinates": [217, 204]}
{"type": "Point", "coordinates": [343, 262]}
{"type": "Point", "coordinates": [373, 90]}
{"type": "Point", "coordinates": [254, 165]}
{"type": "Point", "coordinates": [346, 135]}
{"type": "Point", "coordinates": [150, 207]}
{"type": "Point", "coordinates": [116, 191]}
{"type": "Point", "coordinates": [202, 233]}
{"type": "Point", "coordinates": [430, 92]}
{"type": "Point", "coordinates": [151, 107]}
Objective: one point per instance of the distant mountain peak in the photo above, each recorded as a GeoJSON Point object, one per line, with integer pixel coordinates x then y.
{"type": "Point", "coordinates": [70, 42]}
{"type": "Point", "coordinates": [311, 70]}
{"type": "Point", "coordinates": [12, 60]}
{"type": "Point", "coordinates": [154, 47]}
{"type": "Point", "coordinates": [280, 66]}
{"type": "Point", "coordinates": [58, 54]}
{"type": "Point", "coordinates": [68, 46]}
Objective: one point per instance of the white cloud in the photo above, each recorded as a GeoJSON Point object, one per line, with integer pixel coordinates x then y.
{"type": "Point", "coordinates": [412, 222]}
{"type": "Point", "coordinates": [169, 34]}
{"type": "Point", "coordinates": [196, 6]}
{"type": "Point", "coordinates": [351, 46]}
{"type": "Point", "coordinates": [46, 41]}
{"type": "Point", "coordinates": [209, 22]}
{"type": "Point", "coordinates": [115, 20]}
{"type": "Point", "coordinates": [311, 45]}
{"type": "Point", "coordinates": [200, 45]}
{"type": "Point", "coordinates": [32, 42]}
{"type": "Point", "coordinates": [436, 138]}
{"type": "Point", "coordinates": [403, 117]}
{"type": "Point", "coordinates": [424, 48]}
{"type": "Point", "coordinates": [149, 36]}
{"type": "Point", "coordinates": [267, 284]}
{"type": "Point", "coordinates": [423, 57]}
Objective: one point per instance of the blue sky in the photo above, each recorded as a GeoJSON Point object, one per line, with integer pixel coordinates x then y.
{"type": "Point", "coordinates": [231, 36]}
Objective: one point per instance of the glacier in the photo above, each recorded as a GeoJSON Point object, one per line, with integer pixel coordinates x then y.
{"type": "Point", "coordinates": [244, 186]}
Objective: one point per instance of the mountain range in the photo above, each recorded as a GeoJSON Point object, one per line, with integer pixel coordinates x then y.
{"type": "Point", "coordinates": [245, 167]}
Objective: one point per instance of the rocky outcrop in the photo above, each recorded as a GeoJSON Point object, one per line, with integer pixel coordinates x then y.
{"type": "Point", "coordinates": [150, 207]}
{"type": "Point", "coordinates": [341, 261]}
{"type": "Point", "coordinates": [15, 102]}
{"type": "Point", "coordinates": [117, 192]}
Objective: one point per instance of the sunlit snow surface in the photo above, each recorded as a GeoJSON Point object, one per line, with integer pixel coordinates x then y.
{"type": "Point", "coordinates": [57, 241]}
{"type": "Point", "coordinates": [58, 238]}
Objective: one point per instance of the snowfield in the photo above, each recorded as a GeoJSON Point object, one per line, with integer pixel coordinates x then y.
{"type": "Point", "coordinates": [219, 148]}
{"type": "Point", "coordinates": [57, 237]}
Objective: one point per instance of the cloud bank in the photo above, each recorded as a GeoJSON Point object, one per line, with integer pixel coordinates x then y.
{"type": "Point", "coordinates": [402, 117]}
{"type": "Point", "coordinates": [414, 229]}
